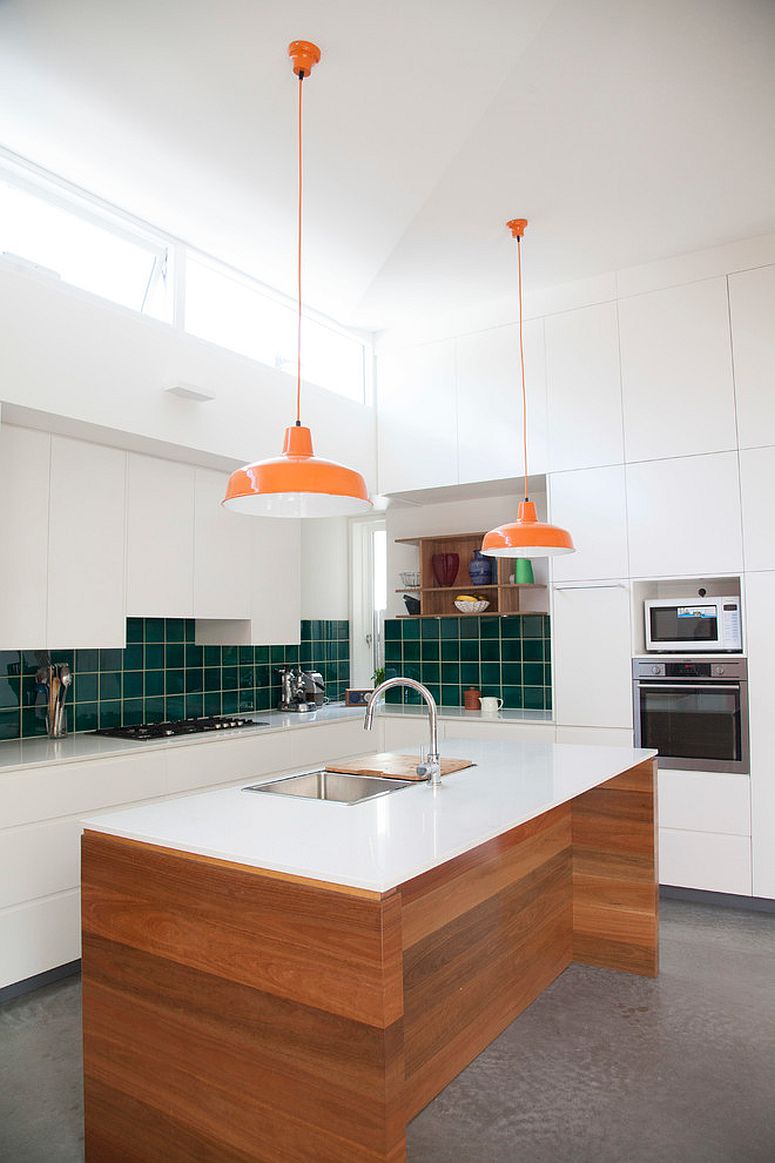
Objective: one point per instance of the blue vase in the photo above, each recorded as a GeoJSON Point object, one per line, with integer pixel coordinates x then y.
{"type": "Point", "coordinates": [480, 569]}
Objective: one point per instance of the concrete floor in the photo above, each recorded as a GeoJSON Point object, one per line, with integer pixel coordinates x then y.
{"type": "Point", "coordinates": [603, 1068]}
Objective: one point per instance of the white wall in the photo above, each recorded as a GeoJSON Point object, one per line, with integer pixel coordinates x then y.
{"type": "Point", "coordinates": [72, 355]}
{"type": "Point", "coordinates": [325, 568]}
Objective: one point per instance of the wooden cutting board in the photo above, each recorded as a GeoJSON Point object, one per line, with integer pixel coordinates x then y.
{"type": "Point", "coordinates": [393, 765]}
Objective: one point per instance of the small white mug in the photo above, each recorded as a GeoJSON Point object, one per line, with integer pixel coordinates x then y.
{"type": "Point", "coordinates": [491, 706]}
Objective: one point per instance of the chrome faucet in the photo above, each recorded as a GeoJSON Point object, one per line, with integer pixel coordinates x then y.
{"type": "Point", "coordinates": [431, 768]}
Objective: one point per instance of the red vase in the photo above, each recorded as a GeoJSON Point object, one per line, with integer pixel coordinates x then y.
{"type": "Point", "coordinates": [445, 567]}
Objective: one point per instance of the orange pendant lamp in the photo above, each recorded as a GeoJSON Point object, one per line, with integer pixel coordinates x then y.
{"type": "Point", "coordinates": [298, 483]}
{"type": "Point", "coordinates": [527, 536]}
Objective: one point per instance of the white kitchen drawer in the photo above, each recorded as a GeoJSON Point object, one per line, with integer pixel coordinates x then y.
{"type": "Point", "coordinates": [592, 655]}
{"type": "Point", "coordinates": [38, 860]}
{"type": "Point", "coordinates": [38, 936]}
{"type": "Point", "coordinates": [67, 789]}
{"type": "Point", "coordinates": [705, 801]}
{"type": "Point", "coordinates": [227, 761]}
{"type": "Point", "coordinates": [403, 734]}
{"type": "Point", "coordinates": [705, 860]}
{"type": "Point", "coordinates": [498, 729]}
{"type": "Point", "coordinates": [319, 743]}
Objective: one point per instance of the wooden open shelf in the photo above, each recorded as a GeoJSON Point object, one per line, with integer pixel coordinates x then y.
{"type": "Point", "coordinates": [437, 601]}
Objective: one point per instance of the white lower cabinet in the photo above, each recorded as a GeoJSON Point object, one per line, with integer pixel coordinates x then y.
{"type": "Point", "coordinates": [714, 862]}
{"type": "Point", "coordinates": [39, 935]}
{"type": "Point", "coordinates": [592, 655]}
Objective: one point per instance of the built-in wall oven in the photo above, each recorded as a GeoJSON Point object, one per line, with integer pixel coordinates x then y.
{"type": "Point", "coordinates": [694, 712]}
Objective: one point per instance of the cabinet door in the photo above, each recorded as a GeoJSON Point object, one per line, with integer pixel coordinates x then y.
{"type": "Point", "coordinates": [591, 504]}
{"type": "Point", "coordinates": [752, 307]}
{"type": "Point", "coordinates": [677, 372]}
{"type": "Point", "coordinates": [276, 582]}
{"type": "Point", "coordinates": [757, 488]}
{"type": "Point", "coordinates": [489, 403]}
{"type": "Point", "coordinates": [222, 552]}
{"type": "Point", "coordinates": [759, 606]}
{"type": "Point", "coordinates": [583, 388]}
{"type": "Point", "coordinates": [684, 516]}
{"type": "Point", "coordinates": [592, 679]}
{"type": "Point", "coordinates": [417, 417]}
{"type": "Point", "coordinates": [24, 465]}
{"type": "Point", "coordinates": [705, 860]}
{"type": "Point", "coordinates": [87, 540]}
{"type": "Point", "coordinates": [160, 538]}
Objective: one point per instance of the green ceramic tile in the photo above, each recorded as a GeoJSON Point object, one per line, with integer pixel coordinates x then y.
{"type": "Point", "coordinates": [10, 693]}
{"type": "Point", "coordinates": [10, 724]}
{"type": "Point", "coordinates": [429, 651]}
{"type": "Point", "coordinates": [110, 686]}
{"type": "Point", "coordinates": [10, 663]}
{"type": "Point", "coordinates": [190, 629]}
{"type": "Point", "coordinates": [110, 713]}
{"type": "Point", "coordinates": [111, 660]}
{"type": "Point", "coordinates": [261, 655]}
{"type": "Point", "coordinates": [533, 626]}
{"type": "Point", "coordinates": [470, 674]}
{"type": "Point", "coordinates": [174, 655]}
{"type": "Point", "coordinates": [230, 654]}
{"type": "Point", "coordinates": [33, 721]}
{"type": "Point", "coordinates": [174, 630]}
{"type": "Point", "coordinates": [469, 627]}
{"type": "Point", "coordinates": [154, 656]}
{"type": "Point", "coordinates": [133, 712]}
{"type": "Point", "coordinates": [174, 707]}
{"type": "Point", "coordinates": [134, 657]}
{"type": "Point", "coordinates": [511, 674]}
{"type": "Point", "coordinates": [154, 710]}
{"type": "Point", "coordinates": [469, 650]}
{"type": "Point", "coordinates": [263, 676]}
{"type": "Point", "coordinates": [264, 700]}
{"type": "Point", "coordinates": [533, 650]}
{"type": "Point", "coordinates": [133, 684]}
{"type": "Point", "coordinates": [533, 674]}
{"type": "Point", "coordinates": [533, 697]}
{"type": "Point", "coordinates": [246, 677]}
{"type": "Point", "coordinates": [154, 630]}
{"type": "Point", "coordinates": [212, 678]}
{"type": "Point", "coordinates": [174, 683]}
{"type": "Point", "coordinates": [86, 717]}
{"type": "Point", "coordinates": [212, 656]}
{"type": "Point", "coordinates": [212, 703]}
{"type": "Point", "coordinates": [511, 627]}
{"type": "Point", "coordinates": [194, 706]}
{"type": "Point", "coordinates": [134, 630]}
{"type": "Point", "coordinates": [429, 672]}
{"type": "Point", "coordinates": [411, 651]}
{"type": "Point", "coordinates": [450, 628]}
{"type": "Point", "coordinates": [511, 649]}
{"type": "Point", "coordinates": [490, 649]}
{"type": "Point", "coordinates": [194, 680]}
{"type": "Point", "coordinates": [230, 701]}
{"type": "Point", "coordinates": [491, 628]}
{"type": "Point", "coordinates": [450, 673]}
{"type": "Point", "coordinates": [450, 696]}
{"type": "Point", "coordinates": [450, 651]}
{"type": "Point", "coordinates": [154, 683]}
{"type": "Point", "coordinates": [410, 629]}
{"type": "Point", "coordinates": [61, 656]}
{"type": "Point", "coordinates": [195, 655]}
{"type": "Point", "coordinates": [229, 678]}
{"type": "Point", "coordinates": [512, 696]}
{"type": "Point", "coordinates": [491, 673]}
{"type": "Point", "coordinates": [392, 652]}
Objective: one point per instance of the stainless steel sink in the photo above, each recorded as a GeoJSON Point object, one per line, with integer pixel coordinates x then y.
{"type": "Point", "coordinates": [332, 785]}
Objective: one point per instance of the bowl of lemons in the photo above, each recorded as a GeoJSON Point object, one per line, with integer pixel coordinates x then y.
{"type": "Point", "coordinates": [471, 604]}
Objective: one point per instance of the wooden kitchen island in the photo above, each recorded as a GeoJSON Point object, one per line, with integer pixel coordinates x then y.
{"type": "Point", "coordinates": [235, 1013]}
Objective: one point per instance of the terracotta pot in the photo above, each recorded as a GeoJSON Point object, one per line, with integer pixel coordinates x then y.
{"type": "Point", "coordinates": [471, 699]}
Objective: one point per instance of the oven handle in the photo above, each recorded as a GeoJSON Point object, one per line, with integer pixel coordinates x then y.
{"type": "Point", "coordinates": [688, 686]}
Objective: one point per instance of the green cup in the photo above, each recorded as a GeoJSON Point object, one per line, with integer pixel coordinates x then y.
{"type": "Point", "coordinates": [523, 571]}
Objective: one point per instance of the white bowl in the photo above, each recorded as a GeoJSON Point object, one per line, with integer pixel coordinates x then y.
{"type": "Point", "coordinates": [471, 607]}
{"type": "Point", "coordinates": [410, 578]}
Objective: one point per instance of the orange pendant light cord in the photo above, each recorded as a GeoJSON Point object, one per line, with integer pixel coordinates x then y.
{"type": "Point", "coordinates": [298, 266]}
{"type": "Point", "coordinates": [522, 360]}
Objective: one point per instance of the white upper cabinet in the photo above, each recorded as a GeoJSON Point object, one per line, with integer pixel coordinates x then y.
{"type": "Point", "coordinates": [276, 581]}
{"type": "Point", "coordinates": [222, 552]}
{"type": "Point", "coordinates": [592, 653]}
{"type": "Point", "coordinates": [87, 541]}
{"type": "Point", "coordinates": [24, 465]}
{"type": "Point", "coordinates": [757, 486]}
{"type": "Point", "coordinates": [677, 372]}
{"type": "Point", "coordinates": [489, 397]}
{"type": "Point", "coordinates": [160, 538]}
{"type": "Point", "coordinates": [684, 516]}
{"type": "Point", "coordinates": [417, 416]}
{"type": "Point", "coordinates": [583, 388]}
{"type": "Point", "coordinates": [752, 306]}
{"type": "Point", "coordinates": [591, 504]}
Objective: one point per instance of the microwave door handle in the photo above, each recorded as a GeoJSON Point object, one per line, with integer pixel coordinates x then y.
{"type": "Point", "coordinates": [688, 686]}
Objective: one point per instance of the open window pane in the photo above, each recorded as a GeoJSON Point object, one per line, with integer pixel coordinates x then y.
{"type": "Point", "coordinates": [225, 309]}
{"type": "Point", "coordinates": [79, 250]}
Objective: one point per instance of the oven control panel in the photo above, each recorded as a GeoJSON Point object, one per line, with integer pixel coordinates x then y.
{"type": "Point", "coordinates": [733, 670]}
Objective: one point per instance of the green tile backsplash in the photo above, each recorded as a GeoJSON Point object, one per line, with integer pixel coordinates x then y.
{"type": "Point", "coordinates": [163, 674]}
{"type": "Point", "coordinates": [508, 657]}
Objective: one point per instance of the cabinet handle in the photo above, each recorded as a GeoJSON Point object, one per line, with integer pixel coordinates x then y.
{"type": "Point", "coordinates": [688, 688]}
{"type": "Point", "coordinates": [594, 586]}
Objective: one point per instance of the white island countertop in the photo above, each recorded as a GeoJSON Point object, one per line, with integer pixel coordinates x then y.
{"type": "Point", "coordinates": [380, 843]}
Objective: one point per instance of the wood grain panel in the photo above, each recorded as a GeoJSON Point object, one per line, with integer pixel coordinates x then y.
{"type": "Point", "coordinates": [503, 932]}
{"type": "Point", "coordinates": [233, 922]}
{"type": "Point", "coordinates": [437, 897]}
{"type": "Point", "coordinates": [615, 881]}
{"type": "Point", "coordinates": [394, 765]}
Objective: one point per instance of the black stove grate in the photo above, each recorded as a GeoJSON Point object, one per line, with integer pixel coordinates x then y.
{"type": "Point", "coordinates": [166, 730]}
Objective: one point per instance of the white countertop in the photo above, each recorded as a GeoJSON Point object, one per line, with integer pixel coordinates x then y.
{"type": "Point", "coordinates": [380, 843]}
{"type": "Point", "coordinates": [41, 751]}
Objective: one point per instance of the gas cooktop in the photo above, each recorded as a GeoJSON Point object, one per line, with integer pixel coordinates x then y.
{"type": "Point", "coordinates": [144, 731]}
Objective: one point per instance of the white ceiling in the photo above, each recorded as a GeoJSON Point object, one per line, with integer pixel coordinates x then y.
{"type": "Point", "coordinates": [625, 130]}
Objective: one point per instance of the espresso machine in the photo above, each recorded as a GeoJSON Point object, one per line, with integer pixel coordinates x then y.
{"type": "Point", "coordinates": [301, 691]}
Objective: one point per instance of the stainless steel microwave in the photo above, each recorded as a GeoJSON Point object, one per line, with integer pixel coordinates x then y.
{"type": "Point", "coordinates": [710, 625]}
